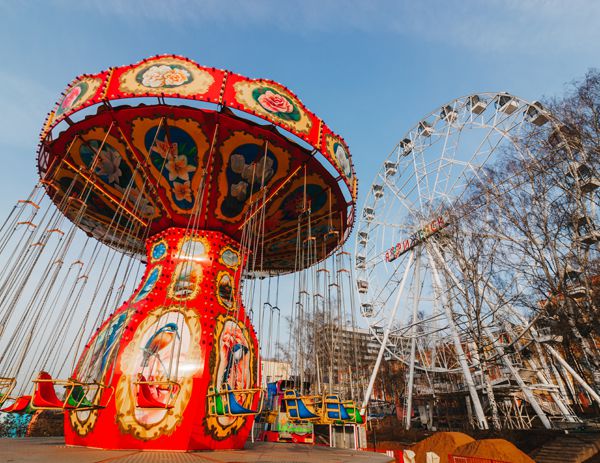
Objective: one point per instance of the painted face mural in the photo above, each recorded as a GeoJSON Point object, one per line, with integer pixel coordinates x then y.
{"type": "Point", "coordinates": [234, 369]}
{"type": "Point", "coordinates": [158, 363]}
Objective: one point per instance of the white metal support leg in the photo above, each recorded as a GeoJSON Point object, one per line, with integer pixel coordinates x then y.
{"type": "Point", "coordinates": [460, 353]}
{"type": "Point", "coordinates": [573, 373]}
{"type": "Point", "coordinates": [505, 358]}
{"type": "Point", "coordinates": [558, 398]}
{"type": "Point", "coordinates": [386, 336]}
{"type": "Point", "coordinates": [413, 341]}
{"type": "Point", "coordinates": [562, 361]}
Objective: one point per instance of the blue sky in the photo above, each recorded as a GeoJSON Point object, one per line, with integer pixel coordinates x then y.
{"type": "Point", "coordinates": [371, 69]}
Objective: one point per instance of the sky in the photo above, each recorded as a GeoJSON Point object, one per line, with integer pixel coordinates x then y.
{"type": "Point", "coordinates": [370, 69]}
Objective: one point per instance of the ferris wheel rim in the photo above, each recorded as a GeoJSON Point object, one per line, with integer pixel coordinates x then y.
{"type": "Point", "coordinates": [413, 135]}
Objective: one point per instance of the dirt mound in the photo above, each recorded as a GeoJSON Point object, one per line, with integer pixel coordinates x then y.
{"type": "Point", "coordinates": [391, 445]}
{"type": "Point", "coordinates": [442, 443]}
{"type": "Point", "coordinates": [495, 449]}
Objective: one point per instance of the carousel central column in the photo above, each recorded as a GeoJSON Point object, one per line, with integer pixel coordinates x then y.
{"type": "Point", "coordinates": [184, 335]}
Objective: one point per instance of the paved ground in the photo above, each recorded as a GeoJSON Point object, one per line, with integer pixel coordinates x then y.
{"type": "Point", "coordinates": [53, 450]}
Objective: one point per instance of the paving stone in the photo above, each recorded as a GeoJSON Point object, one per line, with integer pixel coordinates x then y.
{"type": "Point", "coordinates": [53, 450]}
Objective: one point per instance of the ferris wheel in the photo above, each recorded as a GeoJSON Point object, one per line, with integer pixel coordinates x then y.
{"type": "Point", "coordinates": [435, 274]}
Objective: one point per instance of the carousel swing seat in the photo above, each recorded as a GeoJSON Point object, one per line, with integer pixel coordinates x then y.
{"type": "Point", "coordinates": [334, 410]}
{"type": "Point", "coordinates": [353, 411]}
{"type": "Point", "coordinates": [21, 405]}
{"type": "Point", "coordinates": [296, 408]}
{"type": "Point", "coordinates": [6, 387]}
{"type": "Point", "coordinates": [225, 403]}
{"type": "Point", "coordinates": [77, 396]}
{"type": "Point", "coordinates": [148, 391]}
{"type": "Point", "coordinates": [44, 395]}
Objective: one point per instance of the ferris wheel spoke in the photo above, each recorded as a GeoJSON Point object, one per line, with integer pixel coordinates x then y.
{"type": "Point", "coordinates": [393, 278]}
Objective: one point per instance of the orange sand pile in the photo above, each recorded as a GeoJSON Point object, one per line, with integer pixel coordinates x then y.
{"type": "Point", "coordinates": [391, 445]}
{"type": "Point", "coordinates": [495, 449]}
{"type": "Point", "coordinates": [442, 443]}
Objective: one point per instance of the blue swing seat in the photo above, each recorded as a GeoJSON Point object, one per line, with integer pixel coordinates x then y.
{"type": "Point", "coordinates": [296, 408]}
{"type": "Point", "coordinates": [335, 409]}
{"type": "Point", "coordinates": [225, 403]}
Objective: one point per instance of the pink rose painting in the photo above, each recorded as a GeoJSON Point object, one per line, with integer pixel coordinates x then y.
{"type": "Point", "coordinates": [275, 103]}
{"type": "Point", "coordinates": [70, 98]}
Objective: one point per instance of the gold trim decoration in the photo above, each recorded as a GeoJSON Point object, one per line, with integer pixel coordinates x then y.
{"type": "Point", "coordinates": [78, 93]}
{"type": "Point", "coordinates": [338, 151]}
{"type": "Point", "coordinates": [125, 395]}
{"type": "Point", "coordinates": [83, 421]}
{"type": "Point", "coordinates": [228, 248]}
{"type": "Point", "coordinates": [154, 246]}
{"type": "Point", "coordinates": [228, 304]}
{"type": "Point", "coordinates": [166, 76]}
{"type": "Point", "coordinates": [274, 102]}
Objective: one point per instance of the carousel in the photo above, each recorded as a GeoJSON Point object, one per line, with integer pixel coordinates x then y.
{"type": "Point", "coordinates": [165, 186]}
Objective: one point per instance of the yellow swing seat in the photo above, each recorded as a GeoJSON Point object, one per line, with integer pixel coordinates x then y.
{"type": "Point", "coordinates": [334, 410]}
{"type": "Point", "coordinates": [78, 393]}
{"type": "Point", "coordinates": [301, 408]}
{"type": "Point", "coordinates": [225, 402]}
{"type": "Point", "coordinates": [6, 387]}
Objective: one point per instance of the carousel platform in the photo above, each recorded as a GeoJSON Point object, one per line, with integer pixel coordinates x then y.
{"type": "Point", "coordinates": [54, 450]}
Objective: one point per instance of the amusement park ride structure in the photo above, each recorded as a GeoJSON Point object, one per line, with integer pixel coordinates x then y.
{"type": "Point", "coordinates": [210, 179]}
{"type": "Point", "coordinates": [125, 266]}
{"type": "Point", "coordinates": [454, 319]}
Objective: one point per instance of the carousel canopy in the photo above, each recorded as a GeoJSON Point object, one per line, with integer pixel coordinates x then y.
{"type": "Point", "coordinates": [123, 173]}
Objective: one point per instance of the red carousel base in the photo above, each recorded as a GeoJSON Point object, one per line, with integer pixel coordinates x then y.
{"type": "Point", "coordinates": [183, 332]}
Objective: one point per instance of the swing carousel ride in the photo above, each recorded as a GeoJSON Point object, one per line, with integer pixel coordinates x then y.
{"type": "Point", "coordinates": [208, 179]}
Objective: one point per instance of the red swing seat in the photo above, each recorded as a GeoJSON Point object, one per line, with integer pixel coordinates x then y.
{"type": "Point", "coordinates": [20, 405]}
{"type": "Point", "coordinates": [146, 396]}
{"type": "Point", "coordinates": [44, 395]}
